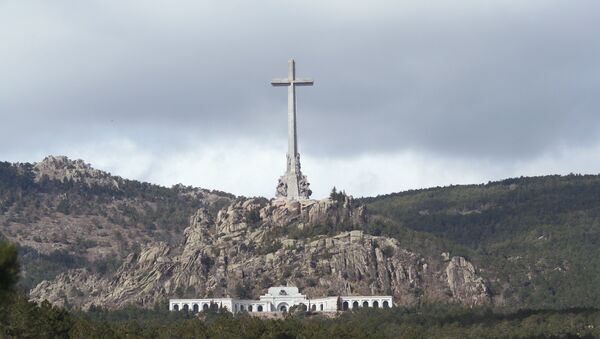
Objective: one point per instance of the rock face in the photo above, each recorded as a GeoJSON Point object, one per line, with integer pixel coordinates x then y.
{"type": "Point", "coordinates": [248, 246]}
{"type": "Point", "coordinates": [464, 282]}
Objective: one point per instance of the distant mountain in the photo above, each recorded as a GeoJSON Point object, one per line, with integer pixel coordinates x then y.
{"type": "Point", "coordinates": [89, 238]}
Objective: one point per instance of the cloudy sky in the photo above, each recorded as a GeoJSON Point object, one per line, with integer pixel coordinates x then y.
{"type": "Point", "coordinates": [407, 94]}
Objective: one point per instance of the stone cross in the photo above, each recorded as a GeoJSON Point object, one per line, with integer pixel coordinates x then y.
{"type": "Point", "coordinates": [292, 185]}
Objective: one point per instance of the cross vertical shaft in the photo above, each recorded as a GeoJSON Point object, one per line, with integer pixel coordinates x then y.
{"type": "Point", "coordinates": [292, 185]}
{"type": "Point", "coordinates": [292, 131]}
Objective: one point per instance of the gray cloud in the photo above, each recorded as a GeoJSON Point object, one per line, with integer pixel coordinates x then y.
{"type": "Point", "coordinates": [478, 80]}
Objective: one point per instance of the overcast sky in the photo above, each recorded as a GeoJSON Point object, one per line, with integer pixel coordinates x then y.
{"type": "Point", "coordinates": [407, 94]}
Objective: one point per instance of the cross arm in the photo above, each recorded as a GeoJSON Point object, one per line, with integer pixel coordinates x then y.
{"type": "Point", "coordinates": [280, 82]}
{"type": "Point", "coordinates": [297, 82]}
{"type": "Point", "coordinates": [304, 82]}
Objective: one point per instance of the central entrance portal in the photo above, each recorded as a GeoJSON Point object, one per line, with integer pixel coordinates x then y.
{"type": "Point", "coordinates": [283, 307]}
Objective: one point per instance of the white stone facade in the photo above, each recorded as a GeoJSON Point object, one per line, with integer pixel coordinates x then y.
{"type": "Point", "coordinates": [281, 299]}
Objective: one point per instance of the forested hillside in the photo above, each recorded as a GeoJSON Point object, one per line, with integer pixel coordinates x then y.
{"type": "Point", "coordinates": [538, 237]}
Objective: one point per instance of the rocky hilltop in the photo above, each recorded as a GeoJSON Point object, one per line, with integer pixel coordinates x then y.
{"type": "Point", "coordinates": [63, 169]}
{"type": "Point", "coordinates": [251, 244]}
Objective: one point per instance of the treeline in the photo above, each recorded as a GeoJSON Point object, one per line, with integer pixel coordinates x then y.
{"type": "Point", "coordinates": [428, 321]}
{"type": "Point", "coordinates": [23, 319]}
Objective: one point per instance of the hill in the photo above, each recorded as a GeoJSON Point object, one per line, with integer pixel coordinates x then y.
{"type": "Point", "coordinates": [64, 214]}
{"type": "Point", "coordinates": [537, 237]}
{"type": "Point", "coordinates": [523, 242]}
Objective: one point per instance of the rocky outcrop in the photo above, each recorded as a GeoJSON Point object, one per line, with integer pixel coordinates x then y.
{"type": "Point", "coordinates": [63, 169]}
{"type": "Point", "coordinates": [464, 282]}
{"type": "Point", "coordinates": [73, 288]}
{"type": "Point", "coordinates": [248, 244]}
{"type": "Point", "coordinates": [314, 212]}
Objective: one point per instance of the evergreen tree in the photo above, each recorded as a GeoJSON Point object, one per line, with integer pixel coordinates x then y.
{"type": "Point", "coordinates": [9, 267]}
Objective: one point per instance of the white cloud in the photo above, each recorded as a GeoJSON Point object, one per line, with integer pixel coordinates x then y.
{"type": "Point", "coordinates": [245, 167]}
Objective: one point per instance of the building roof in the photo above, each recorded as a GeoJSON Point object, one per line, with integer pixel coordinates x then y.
{"type": "Point", "coordinates": [283, 291]}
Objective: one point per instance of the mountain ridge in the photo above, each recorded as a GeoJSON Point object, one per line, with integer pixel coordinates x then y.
{"type": "Point", "coordinates": [528, 239]}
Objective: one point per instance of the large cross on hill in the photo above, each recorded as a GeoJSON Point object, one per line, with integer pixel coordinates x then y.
{"type": "Point", "coordinates": [292, 185]}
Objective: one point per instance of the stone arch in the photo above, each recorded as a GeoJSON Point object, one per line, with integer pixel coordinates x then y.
{"type": "Point", "coordinates": [375, 304]}
{"type": "Point", "coordinates": [186, 307]}
{"type": "Point", "coordinates": [196, 308]}
{"type": "Point", "coordinates": [386, 304]}
{"type": "Point", "coordinates": [355, 304]}
{"type": "Point", "coordinates": [283, 307]}
{"type": "Point", "coordinates": [249, 308]}
{"type": "Point", "coordinates": [259, 308]}
{"type": "Point", "coordinates": [313, 307]}
{"type": "Point", "coordinates": [242, 308]}
{"type": "Point", "coordinates": [205, 307]}
{"type": "Point", "coordinates": [365, 304]}
{"type": "Point", "coordinates": [345, 306]}
{"type": "Point", "coordinates": [302, 307]}
{"type": "Point", "coordinates": [176, 307]}
{"type": "Point", "coordinates": [321, 307]}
